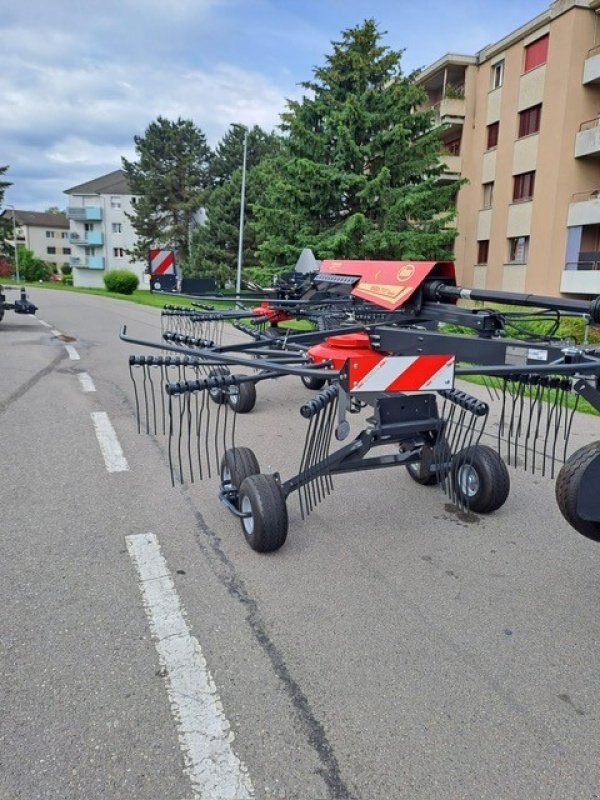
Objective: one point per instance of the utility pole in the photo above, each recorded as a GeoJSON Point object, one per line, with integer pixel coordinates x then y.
{"type": "Point", "coordinates": [15, 242]}
{"type": "Point", "coordinates": [238, 282]}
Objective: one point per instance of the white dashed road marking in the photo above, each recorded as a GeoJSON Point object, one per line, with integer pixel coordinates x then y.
{"type": "Point", "coordinates": [87, 384]}
{"type": "Point", "coordinates": [73, 354]}
{"type": "Point", "coordinates": [45, 324]}
{"type": "Point", "coordinates": [55, 332]}
{"type": "Point", "coordinates": [109, 444]}
{"type": "Point", "coordinates": [204, 732]}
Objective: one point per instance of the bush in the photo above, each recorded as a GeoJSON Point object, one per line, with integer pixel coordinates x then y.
{"type": "Point", "coordinates": [121, 281]}
{"type": "Point", "coordinates": [66, 269]}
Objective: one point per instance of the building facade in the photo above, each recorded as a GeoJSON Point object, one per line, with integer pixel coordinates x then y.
{"type": "Point", "coordinates": [520, 122]}
{"type": "Point", "coordinates": [100, 233]}
{"type": "Point", "coordinates": [45, 234]}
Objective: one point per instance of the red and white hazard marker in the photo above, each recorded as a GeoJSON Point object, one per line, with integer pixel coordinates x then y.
{"type": "Point", "coordinates": [162, 262]}
{"type": "Point", "coordinates": [407, 374]}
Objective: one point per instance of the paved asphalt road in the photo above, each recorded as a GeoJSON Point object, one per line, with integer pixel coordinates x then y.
{"type": "Point", "coordinates": [392, 649]}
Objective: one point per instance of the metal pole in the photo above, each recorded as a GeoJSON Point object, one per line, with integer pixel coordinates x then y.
{"type": "Point", "coordinates": [15, 242]}
{"type": "Point", "coordinates": [238, 282]}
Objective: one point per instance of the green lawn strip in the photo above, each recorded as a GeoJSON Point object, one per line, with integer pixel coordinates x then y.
{"type": "Point", "coordinates": [547, 395]}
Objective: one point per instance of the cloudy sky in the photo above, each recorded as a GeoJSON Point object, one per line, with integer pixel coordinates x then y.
{"type": "Point", "coordinates": [80, 78]}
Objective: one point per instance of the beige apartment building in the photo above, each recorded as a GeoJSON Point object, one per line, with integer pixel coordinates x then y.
{"type": "Point", "coordinates": [521, 122]}
{"type": "Point", "coordinates": [44, 233]}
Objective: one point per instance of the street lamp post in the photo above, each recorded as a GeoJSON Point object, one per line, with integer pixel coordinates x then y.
{"type": "Point", "coordinates": [238, 282]}
{"type": "Point", "coordinates": [15, 242]}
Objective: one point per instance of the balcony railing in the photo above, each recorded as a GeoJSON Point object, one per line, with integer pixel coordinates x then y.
{"type": "Point", "coordinates": [87, 262]}
{"type": "Point", "coordinates": [87, 239]}
{"type": "Point", "coordinates": [584, 209]}
{"type": "Point", "coordinates": [587, 141]}
{"type": "Point", "coordinates": [85, 213]}
{"type": "Point", "coordinates": [591, 67]}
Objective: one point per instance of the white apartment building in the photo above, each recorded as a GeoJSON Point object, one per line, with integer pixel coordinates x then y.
{"type": "Point", "coordinates": [100, 233]}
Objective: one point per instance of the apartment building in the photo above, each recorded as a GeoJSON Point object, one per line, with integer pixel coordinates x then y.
{"type": "Point", "coordinates": [520, 121]}
{"type": "Point", "coordinates": [45, 234]}
{"type": "Point", "coordinates": [100, 232]}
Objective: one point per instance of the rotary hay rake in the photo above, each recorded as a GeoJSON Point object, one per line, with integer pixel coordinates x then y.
{"type": "Point", "coordinates": [377, 348]}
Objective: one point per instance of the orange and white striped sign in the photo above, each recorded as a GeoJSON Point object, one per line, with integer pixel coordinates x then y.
{"type": "Point", "coordinates": [407, 374]}
{"type": "Point", "coordinates": [162, 262]}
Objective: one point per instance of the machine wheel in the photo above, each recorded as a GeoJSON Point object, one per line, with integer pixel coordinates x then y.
{"type": "Point", "coordinates": [237, 464]}
{"type": "Point", "coordinates": [242, 398]}
{"type": "Point", "coordinates": [480, 479]}
{"type": "Point", "coordinates": [420, 471]}
{"type": "Point", "coordinates": [313, 383]}
{"type": "Point", "coordinates": [567, 488]}
{"type": "Point", "coordinates": [218, 395]}
{"type": "Point", "coordinates": [266, 529]}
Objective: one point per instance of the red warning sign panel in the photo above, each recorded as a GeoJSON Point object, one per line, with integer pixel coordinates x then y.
{"type": "Point", "coordinates": [162, 262]}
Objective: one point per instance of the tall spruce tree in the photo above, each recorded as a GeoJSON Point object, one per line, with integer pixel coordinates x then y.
{"type": "Point", "coordinates": [215, 243]}
{"type": "Point", "coordinates": [6, 221]}
{"type": "Point", "coordinates": [360, 176]}
{"type": "Point", "coordinates": [170, 177]}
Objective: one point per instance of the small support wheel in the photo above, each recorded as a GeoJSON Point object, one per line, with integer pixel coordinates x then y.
{"type": "Point", "coordinates": [313, 383]}
{"type": "Point", "coordinates": [421, 472]}
{"type": "Point", "coordinates": [242, 398]}
{"type": "Point", "coordinates": [266, 527]}
{"type": "Point", "coordinates": [480, 479]}
{"type": "Point", "coordinates": [218, 395]}
{"type": "Point", "coordinates": [237, 464]}
{"type": "Point", "coordinates": [577, 490]}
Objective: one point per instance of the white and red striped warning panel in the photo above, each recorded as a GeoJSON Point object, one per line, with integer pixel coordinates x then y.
{"type": "Point", "coordinates": [162, 262]}
{"type": "Point", "coordinates": [405, 374]}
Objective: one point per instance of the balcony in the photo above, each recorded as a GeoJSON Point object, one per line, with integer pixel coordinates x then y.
{"type": "Point", "coordinates": [87, 239]}
{"type": "Point", "coordinates": [85, 213]}
{"type": "Point", "coordinates": [584, 209]}
{"type": "Point", "coordinates": [591, 67]}
{"type": "Point", "coordinates": [587, 141]}
{"type": "Point", "coordinates": [452, 166]}
{"type": "Point", "coordinates": [87, 262]}
{"type": "Point", "coordinates": [449, 112]}
{"type": "Point", "coordinates": [582, 276]}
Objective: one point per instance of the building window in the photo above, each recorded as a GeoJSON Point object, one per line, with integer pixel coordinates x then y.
{"type": "Point", "coordinates": [66, 251]}
{"type": "Point", "coordinates": [64, 235]}
{"type": "Point", "coordinates": [497, 75]}
{"type": "Point", "coordinates": [529, 121]}
{"type": "Point", "coordinates": [51, 250]}
{"type": "Point", "coordinates": [133, 201]}
{"type": "Point", "coordinates": [483, 248]}
{"type": "Point", "coordinates": [116, 227]}
{"type": "Point", "coordinates": [89, 226]}
{"type": "Point", "coordinates": [518, 249]}
{"type": "Point", "coordinates": [89, 251]}
{"type": "Point", "coordinates": [492, 135]}
{"type": "Point", "coordinates": [115, 202]}
{"type": "Point", "coordinates": [536, 53]}
{"type": "Point", "coordinates": [488, 194]}
{"type": "Point", "coordinates": [523, 186]}
{"type": "Point", "coordinates": [118, 252]}
{"type": "Point", "coordinates": [49, 234]}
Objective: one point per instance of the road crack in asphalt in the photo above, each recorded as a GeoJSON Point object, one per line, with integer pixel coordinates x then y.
{"type": "Point", "coordinates": [29, 384]}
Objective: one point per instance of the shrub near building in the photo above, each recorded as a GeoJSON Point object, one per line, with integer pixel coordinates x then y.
{"type": "Point", "coordinates": [122, 281]}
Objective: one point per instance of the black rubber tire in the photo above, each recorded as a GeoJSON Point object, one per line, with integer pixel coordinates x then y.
{"type": "Point", "coordinates": [237, 464]}
{"type": "Point", "coordinates": [493, 480]}
{"type": "Point", "coordinates": [242, 398]}
{"type": "Point", "coordinates": [313, 383]}
{"type": "Point", "coordinates": [218, 396]}
{"type": "Point", "coordinates": [267, 529]}
{"type": "Point", "coordinates": [567, 486]}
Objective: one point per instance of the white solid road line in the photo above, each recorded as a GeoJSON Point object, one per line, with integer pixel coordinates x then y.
{"type": "Point", "coordinates": [73, 354]}
{"type": "Point", "coordinates": [109, 444]}
{"type": "Point", "coordinates": [46, 324]}
{"type": "Point", "coordinates": [204, 732]}
{"type": "Point", "coordinates": [87, 384]}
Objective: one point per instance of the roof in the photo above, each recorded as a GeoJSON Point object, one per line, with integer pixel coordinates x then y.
{"type": "Point", "coordinates": [40, 219]}
{"type": "Point", "coordinates": [113, 183]}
